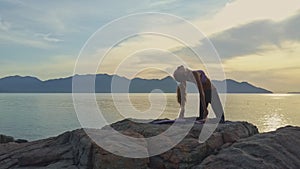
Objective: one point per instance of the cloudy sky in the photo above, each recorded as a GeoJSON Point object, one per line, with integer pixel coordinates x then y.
{"type": "Point", "coordinates": [258, 41]}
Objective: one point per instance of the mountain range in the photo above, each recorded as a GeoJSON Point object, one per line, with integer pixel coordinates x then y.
{"type": "Point", "coordinates": [28, 84]}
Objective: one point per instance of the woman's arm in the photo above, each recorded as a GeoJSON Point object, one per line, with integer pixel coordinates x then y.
{"type": "Point", "coordinates": [178, 95]}
{"type": "Point", "coordinates": [181, 98]}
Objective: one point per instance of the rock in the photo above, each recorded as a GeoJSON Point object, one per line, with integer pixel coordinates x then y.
{"type": "Point", "coordinates": [21, 141]}
{"type": "Point", "coordinates": [278, 149]}
{"type": "Point", "coordinates": [6, 139]}
{"type": "Point", "coordinates": [76, 150]}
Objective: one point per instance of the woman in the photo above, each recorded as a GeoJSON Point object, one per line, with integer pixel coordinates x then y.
{"type": "Point", "coordinates": [207, 92]}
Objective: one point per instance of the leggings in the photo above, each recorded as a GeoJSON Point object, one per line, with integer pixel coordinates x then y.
{"type": "Point", "coordinates": [212, 97]}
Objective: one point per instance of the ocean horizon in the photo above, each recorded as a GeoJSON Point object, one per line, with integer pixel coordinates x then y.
{"type": "Point", "coordinates": [34, 116]}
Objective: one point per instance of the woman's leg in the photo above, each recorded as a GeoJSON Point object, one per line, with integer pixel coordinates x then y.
{"type": "Point", "coordinates": [207, 96]}
{"type": "Point", "coordinates": [201, 112]}
{"type": "Point", "coordinates": [217, 105]}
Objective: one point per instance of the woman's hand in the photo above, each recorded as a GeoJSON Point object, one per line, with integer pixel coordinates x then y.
{"type": "Point", "coordinates": [205, 113]}
{"type": "Point", "coordinates": [181, 114]}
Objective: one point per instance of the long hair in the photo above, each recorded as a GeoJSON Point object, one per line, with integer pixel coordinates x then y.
{"type": "Point", "coordinates": [180, 76]}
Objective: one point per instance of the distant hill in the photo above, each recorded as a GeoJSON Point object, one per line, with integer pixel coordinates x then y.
{"type": "Point", "coordinates": [239, 87]}
{"type": "Point", "coordinates": [27, 84]}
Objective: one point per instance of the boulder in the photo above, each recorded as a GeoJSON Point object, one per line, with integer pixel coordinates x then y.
{"type": "Point", "coordinates": [6, 139]}
{"type": "Point", "coordinates": [278, 149]}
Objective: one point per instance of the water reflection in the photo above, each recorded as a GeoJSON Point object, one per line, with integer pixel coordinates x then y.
{"type": "Point", "coordinates": [272, 121]}
{"type": "Point", "coordinates": [267, 111]}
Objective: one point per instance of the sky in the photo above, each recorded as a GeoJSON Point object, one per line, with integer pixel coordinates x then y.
{"type": "Point", "coordinates": [258, 41]}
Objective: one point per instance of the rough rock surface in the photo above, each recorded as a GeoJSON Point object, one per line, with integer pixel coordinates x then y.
{"type": "Point", "coordinates": [76, 150]}
{"type": "Point", "coordinates": [8, 139]}
{"type": "Point", "coordinates": [277, 150]}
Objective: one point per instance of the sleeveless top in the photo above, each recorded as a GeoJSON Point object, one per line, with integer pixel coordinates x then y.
{"type": "Point", "coordinates": [203, 76]}
{"type": "Point", "coordinates": [204, 80]}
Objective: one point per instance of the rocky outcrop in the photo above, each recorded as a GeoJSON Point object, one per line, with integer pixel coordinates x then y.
{"type": "Point", "coordinates": [278, 149]}
{"type": "Point", "coordinates": [76, 150]}
{"type": "Point", "coordinates": [8, 139]}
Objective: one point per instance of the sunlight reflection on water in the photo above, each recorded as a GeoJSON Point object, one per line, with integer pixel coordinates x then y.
{"type": "Point", "coordinates": [272, 121]}
{"type": "Point", "coordinates": [267, 111]}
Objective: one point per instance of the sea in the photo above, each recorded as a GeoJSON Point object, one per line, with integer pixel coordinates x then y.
{"type": "Point", "coordinates": [39, 116]}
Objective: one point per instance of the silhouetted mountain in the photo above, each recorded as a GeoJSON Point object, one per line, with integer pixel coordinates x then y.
{"type": "Point", "coordinates": [18, 84]}
{"type": "Point", "coordinates": [106, 83]}
{"type": "Point", "coordinates": [238, 87]}
{"type": "Point", "coordinates": [293, 92]}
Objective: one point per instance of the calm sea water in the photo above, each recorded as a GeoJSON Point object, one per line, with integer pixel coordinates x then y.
{"type": "Point", "coordinates": [36, 116]}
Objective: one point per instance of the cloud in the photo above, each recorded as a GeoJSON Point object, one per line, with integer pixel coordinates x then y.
{"type": "Point", "coordinates": [4, 25]}
{"type": "Point", "coordinates": [79, 20]}
{"type": "Point", "coordinates": [48, 37]}
{"type": "Point", "coordinates": [253, 37]}
{"type": "Point", "coordinates": [246, 39]}
{"type": "Point", "coordinates": [240, 12]}
{"type": "Point", "coordinates": [275, 68]}
{"type": "Point", "coordinates": [19, 39]}
{"type": "Point", "coordinates": [163, 3]}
